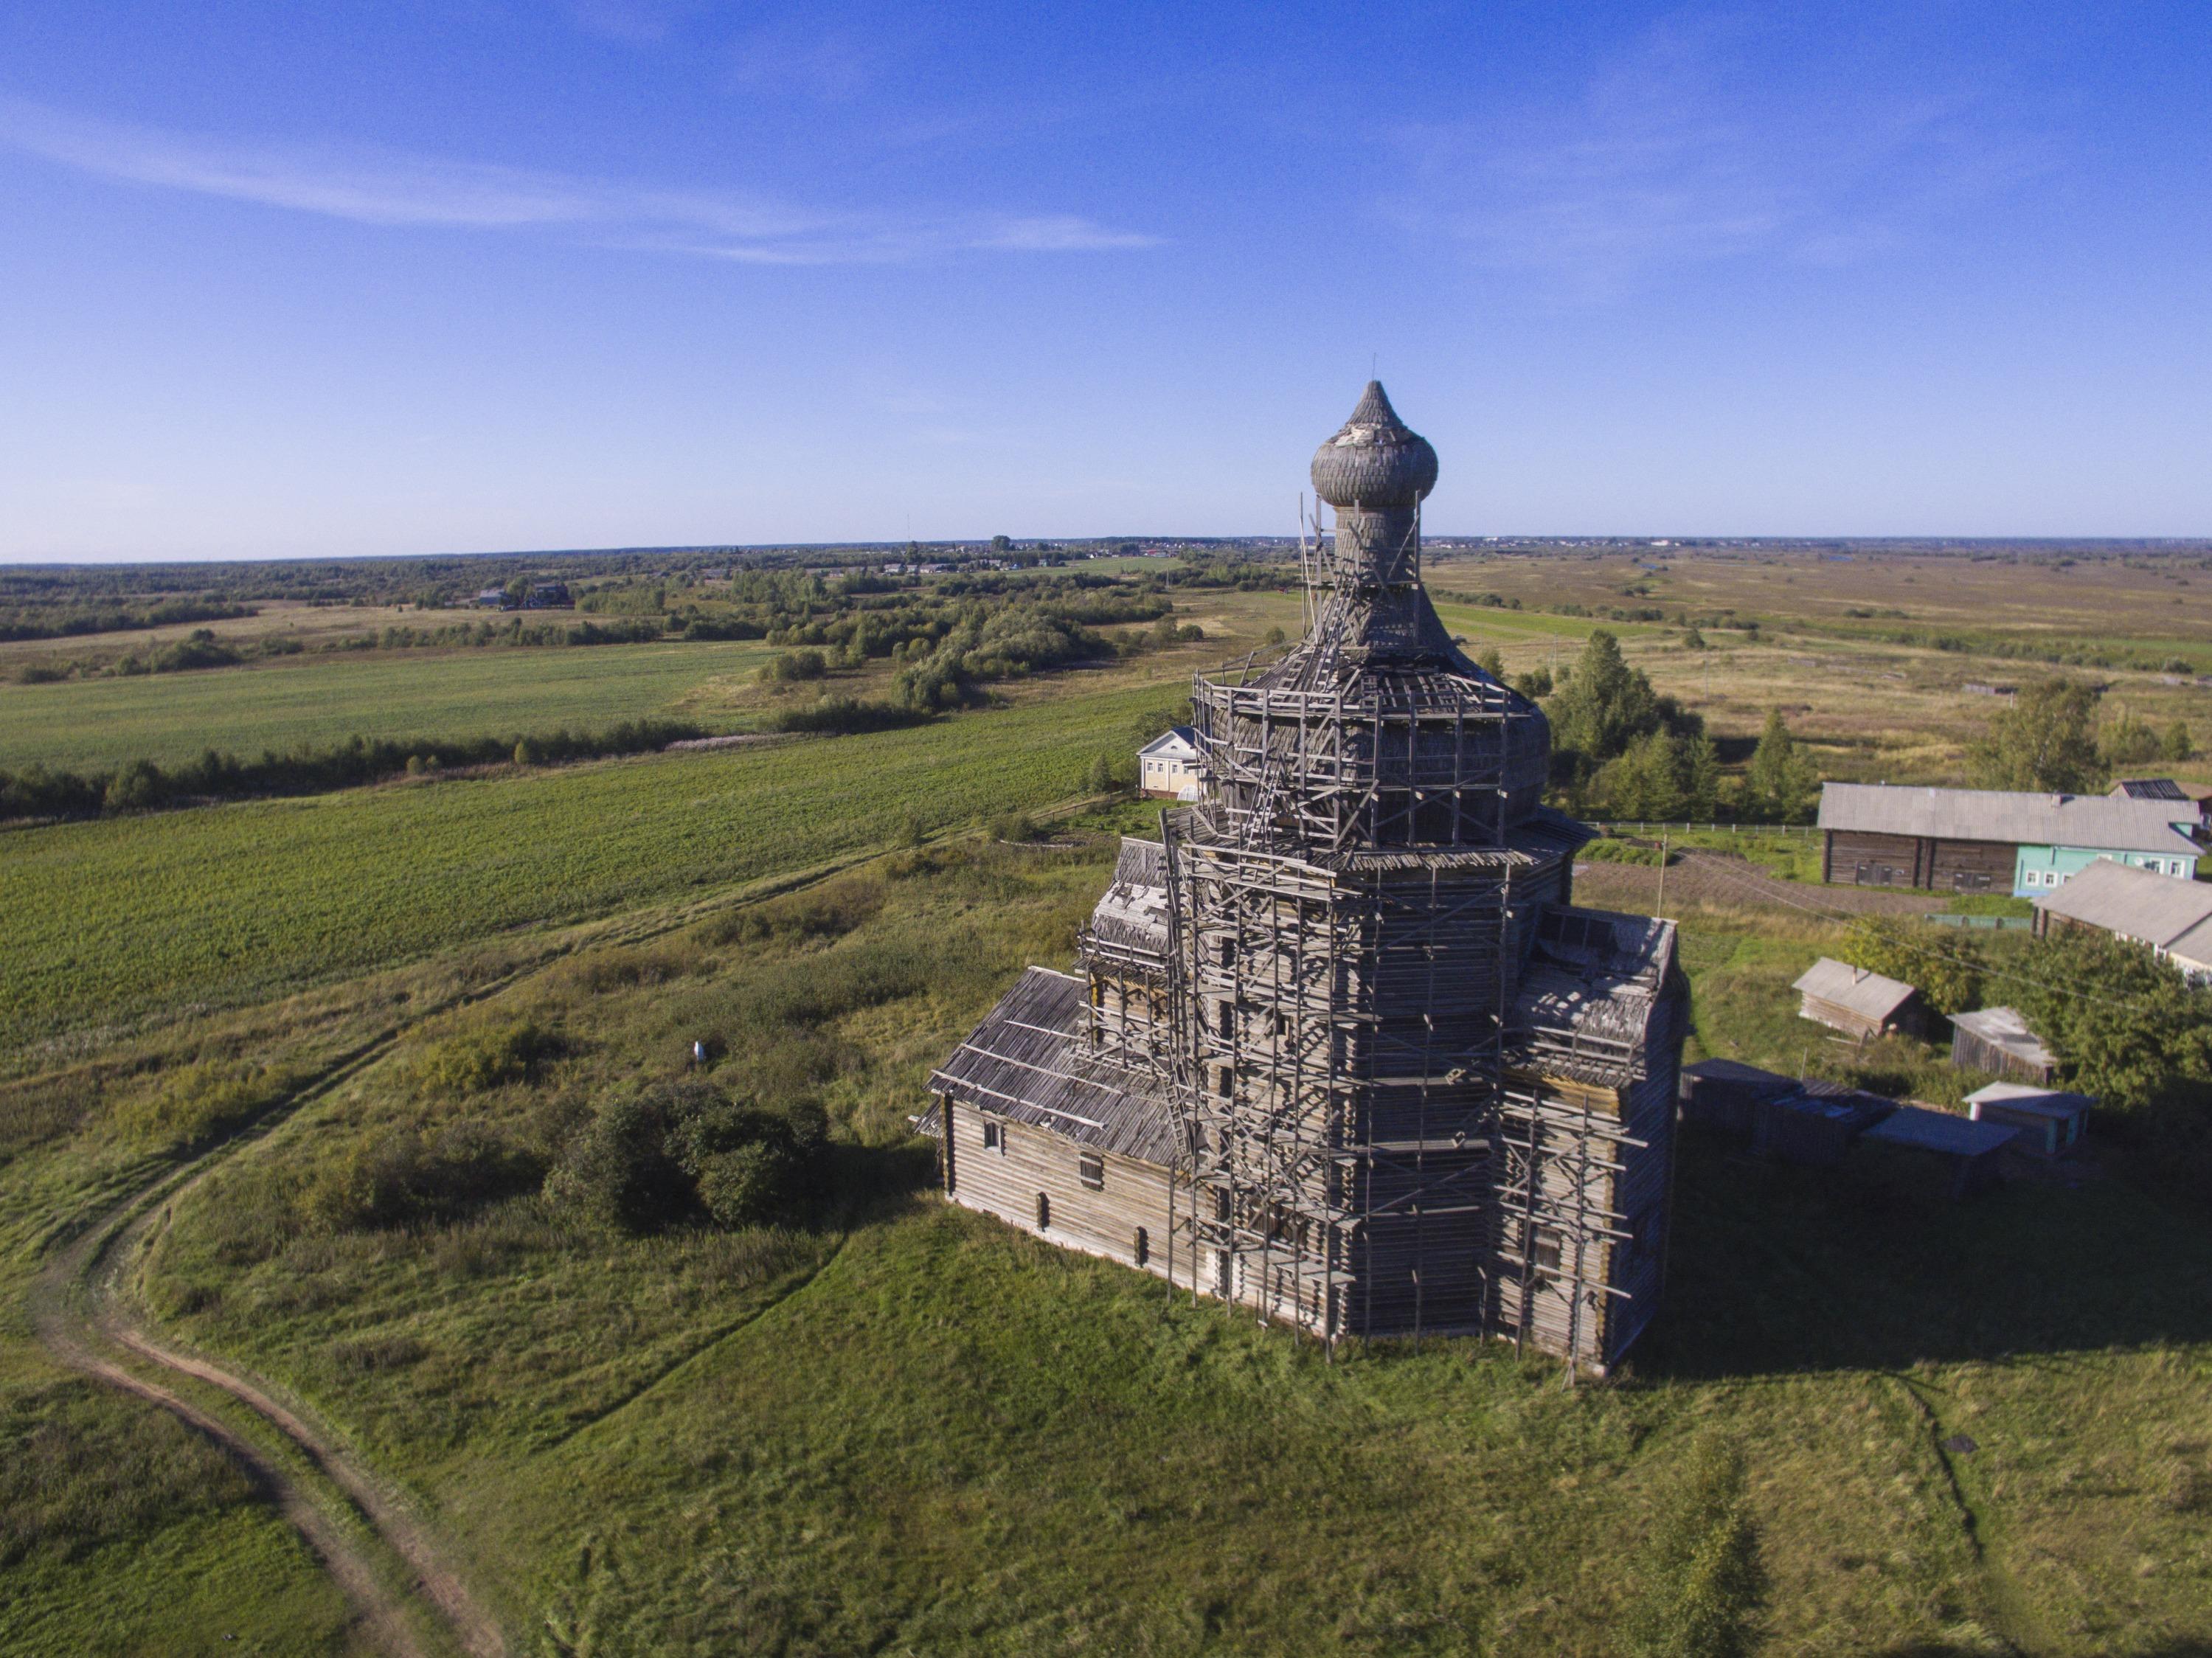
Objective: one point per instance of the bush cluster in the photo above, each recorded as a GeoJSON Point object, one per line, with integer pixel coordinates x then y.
{"type": "Point", "coordinates": [687, 1149]}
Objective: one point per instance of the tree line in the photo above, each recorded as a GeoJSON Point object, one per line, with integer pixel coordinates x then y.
{"type": "Point", "coordinates": [142, 786]}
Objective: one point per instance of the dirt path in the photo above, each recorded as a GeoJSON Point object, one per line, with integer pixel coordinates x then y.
{"type": "Point", "coordinates": [384, 1560]}
{"type": "Point", "coordinates": [81, 1314]}
{"type": "Point", "coordinates": [1725, 882]}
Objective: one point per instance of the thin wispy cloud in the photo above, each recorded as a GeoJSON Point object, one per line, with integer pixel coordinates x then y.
{"type": "Point", "coordinates": [390, 187]}
{"type": "Point", "coordinates": [1680, 153]}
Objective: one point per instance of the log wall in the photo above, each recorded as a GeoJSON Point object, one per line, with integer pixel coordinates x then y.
{"type": "Point", "coordinates": [1006, 1180]}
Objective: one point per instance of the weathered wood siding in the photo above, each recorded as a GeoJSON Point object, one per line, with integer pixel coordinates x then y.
{"type": "Point", "coordinates": [1006, 1180]}
{"type": "Point", "coordinates": [1863, 858]}
{"type": "Point", "coordinates": [1910, 1017]}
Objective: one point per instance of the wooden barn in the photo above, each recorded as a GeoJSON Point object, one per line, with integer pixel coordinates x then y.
{"type": "Point", "coordinates": [1997, 1040]}
{"type": "Point", "coordinates": [1860, 1003]}
{"type": "Point", "coordinates": [1993, 841]}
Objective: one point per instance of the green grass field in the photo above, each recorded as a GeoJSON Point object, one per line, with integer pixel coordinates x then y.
{"type": "Point", "coordinates": [321, 700]}
{"type": "Point", "coordinates": [915, 1430]}
{"type": "Point", "coordinates": [115, 921]}
{"type": "Point", "coordinates": [903, 1428]}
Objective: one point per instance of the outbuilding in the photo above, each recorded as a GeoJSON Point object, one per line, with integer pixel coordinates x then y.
{"type": "Point", "coordinates": [1725, 1095]}
{"type": "Point", "coordinates": [1970, 1148]}
{"type": "Point", "coordinates": [2051, 1121]}
{"type": "Point", "coordinates": [1860, 1003]}
{"type": "Point", "coordinates": [1997, 1040]}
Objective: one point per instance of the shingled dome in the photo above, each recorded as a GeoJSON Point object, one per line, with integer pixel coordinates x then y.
{"type": "Point", "coordinates": [1377, 460]}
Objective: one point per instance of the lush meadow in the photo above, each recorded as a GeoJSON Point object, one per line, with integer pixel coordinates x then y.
{"type": "Point", "coordinates": [879, 1424]}
{"type": "Point", "coordinates": [900, 1427]}
{"type": "Point", "coordinates": [316, 700]}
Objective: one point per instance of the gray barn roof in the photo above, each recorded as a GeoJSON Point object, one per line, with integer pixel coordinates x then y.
{"type": "Point", "coordinates": [1031, 1062]}
{"type": "Point", "coordinates": [2100, 821]}
{"type": "Point", "coordinates": [1869, 995]}
{"type": "Point", "coordinates": [2158, 910]}
{"type": "Point", "coordinates": [2007, 1028]}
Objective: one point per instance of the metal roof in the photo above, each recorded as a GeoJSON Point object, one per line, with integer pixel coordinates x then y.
{"type": "Point", "coordinates": [1854, 989]}
{"type": "Point", "coordinates": [1031, 1062]}
{"type": "Point", "coordinates": [2026, 1097]}
{"type": "Point", "coordinates": [2148, 788]}
{"type": "Point", "coordinates": [1939, 1131]}
{"type": "Point", "coordinates": [1179, 740]}
{"type": "Point", "coordinates": [2152, 909]}
{"type": "Point", "coordinates": [2006, 1027]}
{"type": "Point", "coordinates": [2103, 822]}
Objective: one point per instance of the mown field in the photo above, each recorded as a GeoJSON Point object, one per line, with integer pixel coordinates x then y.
{"type": "Point", "coordinates": [321, 700]}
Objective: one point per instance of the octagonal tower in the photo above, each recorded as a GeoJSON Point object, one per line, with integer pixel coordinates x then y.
{"type": "Point", "coordinates": [1355, 891]}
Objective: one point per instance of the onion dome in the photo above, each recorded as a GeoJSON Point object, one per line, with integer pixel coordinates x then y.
{"type": "Point", "coordinates": [1376, 462]}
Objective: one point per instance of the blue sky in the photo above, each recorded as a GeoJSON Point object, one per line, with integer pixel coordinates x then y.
{"type": "Point", "coordinates": [456, 275]}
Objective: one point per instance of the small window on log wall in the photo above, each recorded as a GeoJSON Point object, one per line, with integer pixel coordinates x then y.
{"type": "Point", "coordinates": [1144, 1248]}
{"type": "Point", "coordinates": [991, 1141]}
{"type": "Point", "coordinates": [1091, 1170]}
{"type": "Point", "coordinates": [1044, 1212]}
{"type": "Point", "coordinates": [1544, 1253]}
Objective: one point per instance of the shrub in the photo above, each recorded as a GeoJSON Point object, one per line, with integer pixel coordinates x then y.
{"type": "Point", "coordinates": [487, 1057]}
{"type": "Point", "coordinates": [200, 1104]}
{"type": "Point", "coordinates": [1946, 969]}
{"type": "Point", "coordinates": [402, 1178]}
{"type": "Point", "coordinates": [1016, 826]}
{"type": "Point", "coordinates": [793, 666]}
{"type": "Point", "coordinates": [687, 1149]}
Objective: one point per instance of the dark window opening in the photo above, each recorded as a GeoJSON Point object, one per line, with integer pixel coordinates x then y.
{"type": "Point", "coordinates": [1229, 952]}
{"type": "Point", "coordinates": [990, 1142]}
{"type": "Point", "coordinates": [1044, 1212]}
{"type": "Point", "coordinates": [1544, 1253]}
{"type": "Point", "coordinates": [1144, 1248]}
{"type": "Point", "coordinates": [1091, 1170]}
{"type": "Point", "coordinates": [1224, 1082]}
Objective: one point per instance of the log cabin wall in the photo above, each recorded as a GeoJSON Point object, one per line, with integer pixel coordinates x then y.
{"type": "Point", "coordinates": [1004, 1173]}
{"type": "Point", "coordinates": [1860, 857]}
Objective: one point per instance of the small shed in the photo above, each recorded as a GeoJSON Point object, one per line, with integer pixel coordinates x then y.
{"type": "Point", "coordinates": [1726, 1094]}
{"type": "Point", "coordinates": [2051, 1121]}
{"type": "Point", "coordinates": [1857, 1002]}
{"type": "Point", "coordinates": [1997, 1040]}
{"type": "Point", "coordinates": [1969, 1147]}
{"type": "Point", "coordinates": [1816, 1122]}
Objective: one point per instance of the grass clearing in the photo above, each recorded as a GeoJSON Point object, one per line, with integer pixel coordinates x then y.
{"type": "Point", "coordinates": [915, 1430]}
{"type": "Point", "coordinates": [318, 700]}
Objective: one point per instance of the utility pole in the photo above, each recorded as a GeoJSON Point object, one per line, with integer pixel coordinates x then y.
{"type": "Point", "coordinates": [1662, 905]}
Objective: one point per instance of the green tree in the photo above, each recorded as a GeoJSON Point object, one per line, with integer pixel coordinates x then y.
{"type": "Point", "coordinates": [1664, 777]}
{"type": "Point", "coordinates": [1947, 969]}
{"type": "Point", "coordinates": [1781, 784]}
{"type": "Point", "coordinates": [2177, 745]}
{"type": "Point", "coordinates": [2128, 741]}
{"type": "Point", "coordinates": [1274, 636]}
{"type": "Point", "coordinates": [1698, 1581]}
{"type": "Point", "coordinates": [2045, 743]}
{"type": "Point", "coordinates": [1492, 663]}
{"type": "Point", "coordinates": [1535, 684]}
{"type": "Point", "coordinates": [1604, 706]}
{"type": "Point", "coordinates": [1694, 639]}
